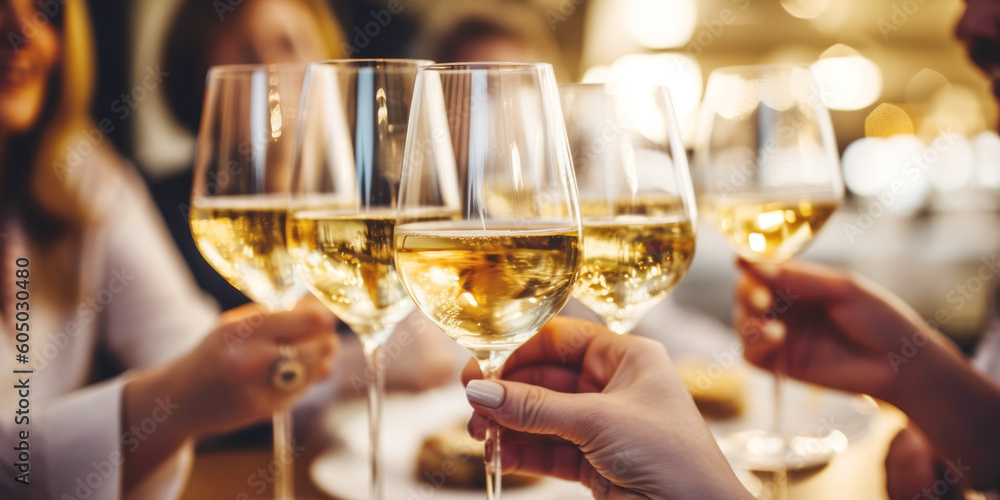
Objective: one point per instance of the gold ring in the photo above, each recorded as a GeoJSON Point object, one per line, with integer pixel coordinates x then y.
{"type": "Point", "coordinates": [287, 372]}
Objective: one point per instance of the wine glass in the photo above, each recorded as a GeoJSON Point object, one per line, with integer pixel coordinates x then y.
{"type": "Point", "coordinates": [488, 233]}
{"type": "Point", "coordinates": [636, 198]}
{"type": "Point", "coordinates": [352, 131]}
{"type": "Point", "coordinates": [240, 194]}
{"type": "Point", "coordinates": [768, 178]}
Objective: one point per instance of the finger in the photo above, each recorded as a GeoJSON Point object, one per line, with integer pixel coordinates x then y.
{"type": "Point", "coordinates": [554, 377]}
{"type": "Point", "coordinates": [752, 294]}
{"type": "Point", "coordinates": [471, 371]}
{"type": "Point", "coordinates": [581, 345]}
{"type": "Point", "coordinates": [252, 363]}
{"type": "Point", "coordinates": [909, 466]}
{"type": "Point", "coordinates": [562, 461]}
{"type": "Point", "coordinates": [478, 425]}
{"type": "Point", "coordinates": [317, 354]}
{"type": "Point", "coordinates": [529, 408]}
{"type": "Point", "coordinates": [562, 340]}
{"type": "Point", "coordinates": [761, 339]}
{"type": "Point", "coordinates": [802, 280]}
{"type": "Point", "coordinates": [307, 319]}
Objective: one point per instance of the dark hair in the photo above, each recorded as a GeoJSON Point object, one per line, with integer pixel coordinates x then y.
{"type": "Point", "coordinates": [471, 29]}
{"type": "Point", "coordinates": [185, 56]}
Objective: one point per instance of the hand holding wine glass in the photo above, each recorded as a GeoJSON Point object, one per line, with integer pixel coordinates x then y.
{"type": "Point", "coordinates": [488, 234]}
{"type": "Point", "coordinates": [848, 333]}
{"type": "Point", "coordinates": [606, 410]}
{"type": "Point", "coordinates": [768, 178]}
{"type": "Point", "coordinates": [239, 205]}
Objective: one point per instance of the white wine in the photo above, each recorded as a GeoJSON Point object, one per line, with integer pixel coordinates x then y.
{"type": "Point", "coordinates": [491, 289]}
{"type": "Point", "coordinates": [243, 238]}
{"type": "Point", "coordinates": [649, 205]}
{"type": "Point", "coordinates": [630, 263]}
{"type": "Point", "coordinates": [771, 230]}
{"type": "Point", "coordinates": [346, 259]}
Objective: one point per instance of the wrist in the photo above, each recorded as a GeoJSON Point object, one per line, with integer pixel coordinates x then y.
{"type": "Point", "coordinates": [155, 394]}
{"type": "Point", "coordinates": [926, 374]}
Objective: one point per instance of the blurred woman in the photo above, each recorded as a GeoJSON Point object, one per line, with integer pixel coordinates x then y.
{"type": "Point", "coordinates": [254, 32]}
{"type": "Point", "coordinates": [272, 32]}
{"type": "Point", "coordinates": [486, 30]}
{"type": "Point", "coordinates": [105, 291]}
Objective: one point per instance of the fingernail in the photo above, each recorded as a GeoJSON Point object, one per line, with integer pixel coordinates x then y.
{"type": "Point", "coordinates": [766, 270]}
{"type": "Point", "coordinates": [760, 298]}
{"type": "Point", "coordinates": [485, 393]}
{"type": "Point", "coordinates": [774, 331]}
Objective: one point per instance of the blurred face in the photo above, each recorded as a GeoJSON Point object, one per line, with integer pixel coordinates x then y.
{"type": "Point", "coordinates": [494, 48]}
{"type": "Point", "coordinates": [980, 29]}
{"type": "Point", "coordinates": [269, 32]}
{"type": "Point", "coordinates": [28, 56]}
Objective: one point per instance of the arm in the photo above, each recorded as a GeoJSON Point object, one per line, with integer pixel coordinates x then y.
{"type": "Point", "coordinates": [841, 331]}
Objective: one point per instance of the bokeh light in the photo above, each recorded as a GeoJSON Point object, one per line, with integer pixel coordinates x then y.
{"type": "Point", "coordinates": [884, 168]}
{"type": "Point", "coordinates": [847, 80]}
{"type": "Point", "coordinates": [805, 9]}
{"type": "Point", "coordinates": [679, 72]}
{"type": "Point", "coordinates": [661, 24]}
{"type": "Point", "coordinates": [986, 149]}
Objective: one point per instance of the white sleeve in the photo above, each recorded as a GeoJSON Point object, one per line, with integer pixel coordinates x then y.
{"type": "Point", "coordinates": [157, 312]}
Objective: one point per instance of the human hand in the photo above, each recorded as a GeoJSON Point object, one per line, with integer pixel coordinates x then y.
{"type": "Point", "coordinates": [831, 328]}
{"type": "Point", "coordinates": [226, 380]}
{"type": "Point", "coordinates": [581, 403]}
{"type": "Point", "coordinates": [422, 356]}
{"type": "Point", "coordinates": [913, 470]}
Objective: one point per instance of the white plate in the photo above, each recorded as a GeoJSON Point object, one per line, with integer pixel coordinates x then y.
{"type": "Point", "coordinates": [836, 418]}
{"type": "Point", "coordinates": [343, 471]}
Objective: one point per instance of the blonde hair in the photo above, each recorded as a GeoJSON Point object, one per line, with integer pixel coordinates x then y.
{"type": "Point", "coordinates": [49, 184]}
{"type": "Point", "coordinates": [185, 55]}
{"type": "Point", "coordinates": [54, 211]}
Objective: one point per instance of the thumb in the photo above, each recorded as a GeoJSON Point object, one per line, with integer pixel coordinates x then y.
{"type": "Point", "coordinates": [528, 408]}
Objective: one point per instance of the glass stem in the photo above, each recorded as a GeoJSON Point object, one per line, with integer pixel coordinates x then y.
{"type": "Point", "coordinates": [491, 365]}
{"type": "Point", "coordinates": [284, 470]}
{"type": "Point", "coordinates": [781, 475]}
{"type": "Point", "coordinates": [778, 424]}
{"type": "Point", "coordinates": [374, 354]}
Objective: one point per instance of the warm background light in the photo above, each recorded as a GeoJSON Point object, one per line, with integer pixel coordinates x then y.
{"type": "Point", "coordinates": [847, 80]}
{"type": "Point", "coordinates": [661, 24]}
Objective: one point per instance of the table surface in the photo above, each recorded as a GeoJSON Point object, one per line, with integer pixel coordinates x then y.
{"type": "Point", "coordinates": [234, 471]}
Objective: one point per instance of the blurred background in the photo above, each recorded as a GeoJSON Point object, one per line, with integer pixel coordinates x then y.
{"type": "Point", "coordinates": [915, 119]}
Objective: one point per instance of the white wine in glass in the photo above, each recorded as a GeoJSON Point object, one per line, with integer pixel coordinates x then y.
{"type": "Point", "coordinates": [768, 178]}
{"type": "Point", "coordinates": [342, 210]}
{"type": "Point", "coordinates": [239, 198]}
{"type": "Point", "coordinates": [487, 144]}
{"type": "Point", "coordinates": [636, 198]}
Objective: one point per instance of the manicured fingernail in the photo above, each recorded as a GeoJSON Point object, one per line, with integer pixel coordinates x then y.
{"type": "Point", "coordinates": [774, 331]}
{"type": "Point", "coordinates": [760, 298]}
{"type": "Point", "coordinates": [484, 393]}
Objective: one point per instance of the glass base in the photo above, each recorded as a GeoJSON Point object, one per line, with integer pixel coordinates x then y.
{"type": "Point", "coordinates": [769, 451]}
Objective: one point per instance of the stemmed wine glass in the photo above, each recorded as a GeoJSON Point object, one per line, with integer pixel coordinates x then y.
{"type": "Point", "coordinates": [768, 178]}
{"type": "Point", "coordinates": [488, 233]}
{"type": "Point", "coordinates": [342, 211]}
{"type": "Point", "coordinates": [636, 198]}
{"type": "Point", "coordinates": [240, 194]}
